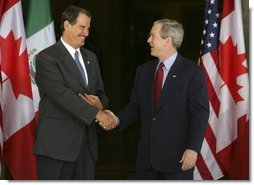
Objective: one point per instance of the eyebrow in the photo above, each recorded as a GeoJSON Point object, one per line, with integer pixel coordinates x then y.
{"type": "Point", "coordinates": [153, 34]}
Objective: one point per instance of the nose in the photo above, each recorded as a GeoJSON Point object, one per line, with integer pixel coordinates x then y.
{"type": "Point", "coordinates": [149, 39]}
{"type": "Point", "coordinates": [86, 32]}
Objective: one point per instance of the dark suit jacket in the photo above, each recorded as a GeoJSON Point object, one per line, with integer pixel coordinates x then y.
{"type": "Point", "coordinates": [64, 118]}
{"type": "Point", "coordinates": [180, 121]}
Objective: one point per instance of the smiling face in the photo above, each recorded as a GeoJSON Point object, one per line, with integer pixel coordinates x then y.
{"type": "Point", "coordinates": [75, 35]}
{"type": "Point", "coordinates": [160, 47]}
{"type": "Point", "coordinates": [156, 42]}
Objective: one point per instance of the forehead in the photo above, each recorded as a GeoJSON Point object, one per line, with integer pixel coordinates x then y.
{"type": "Point", "coordinates": [156, 28]}
{"type": "Point", "coordinates": [83, 19]}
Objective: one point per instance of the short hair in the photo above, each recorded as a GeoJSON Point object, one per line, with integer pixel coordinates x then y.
{"type": "Point", "coordinates": [173, 29]}
{"type": "Point", "coordinates": [71, 14]}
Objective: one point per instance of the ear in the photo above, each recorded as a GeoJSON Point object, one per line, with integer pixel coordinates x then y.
{"type": "Point", "coordinates": [66, 25]}
{"type": "Point", "coordinates": [169, 40]}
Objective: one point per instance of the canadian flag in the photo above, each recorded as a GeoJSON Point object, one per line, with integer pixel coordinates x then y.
{"type": "Point", "coordinates": [1, 113]}
{"type": "Point", "coordinates": [1, 123]}
{"type": "Point", "coordinates": [18, 115]}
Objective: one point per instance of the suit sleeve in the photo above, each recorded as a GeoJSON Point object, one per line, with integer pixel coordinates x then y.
{"type": "Point", "coordinates": [99, 85]}
{"type": "Point", "coordinates": [199, 110]}
{"type": "Point", "coordinates": [63, 99]}
{"type": "Point", "coordinates": [131, 112]}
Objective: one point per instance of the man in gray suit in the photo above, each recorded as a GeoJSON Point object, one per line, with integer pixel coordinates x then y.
{"type": "Point", "coordinates": [66, 142]}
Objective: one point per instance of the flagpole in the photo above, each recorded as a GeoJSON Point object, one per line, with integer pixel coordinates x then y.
{"type": "Point", "coordinates": [5, 175]}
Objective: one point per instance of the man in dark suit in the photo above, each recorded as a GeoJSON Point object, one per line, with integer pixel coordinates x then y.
{"type": "Point", "coordinates": [170, 97]}
{"type": "Point", "coordinates": [66, 142]}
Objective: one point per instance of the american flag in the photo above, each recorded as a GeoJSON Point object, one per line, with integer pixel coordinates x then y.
{"type": "Point", "coordinates": [225, 149]}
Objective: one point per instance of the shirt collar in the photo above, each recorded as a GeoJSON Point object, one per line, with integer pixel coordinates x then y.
{"type": "Point", "coordinates": [170, 61]}
{"type": "Point", "coordinates": [70, 48]}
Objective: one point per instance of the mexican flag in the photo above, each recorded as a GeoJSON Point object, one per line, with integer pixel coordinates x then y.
{"type": "Point", "coordinates": [40, 34]}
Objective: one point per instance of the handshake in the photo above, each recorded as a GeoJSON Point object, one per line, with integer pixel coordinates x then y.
{"type": "Point", "coordinates": [106, 119]}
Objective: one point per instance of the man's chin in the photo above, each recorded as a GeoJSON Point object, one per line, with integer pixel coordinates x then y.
{"type": "Point", "coordinates": [152, 54]}
{"type": "Point", "coordinates": [81, 41]}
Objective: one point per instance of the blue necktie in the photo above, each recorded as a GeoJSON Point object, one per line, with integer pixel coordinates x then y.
{"type": "Point", "coordinates": [81, 70]}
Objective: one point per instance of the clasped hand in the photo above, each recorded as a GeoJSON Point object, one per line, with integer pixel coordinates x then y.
{"type": "Point", "coordinates": [106, 119]}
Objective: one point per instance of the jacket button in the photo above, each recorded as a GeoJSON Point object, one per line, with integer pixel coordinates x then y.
{"type": "Point", "coordinates": [154, 119]}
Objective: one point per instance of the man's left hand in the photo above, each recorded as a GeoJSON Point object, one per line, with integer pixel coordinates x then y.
{"type": "Point", "coordinates": [189, 159]}
{"type": "Point", "coordinates": [93, 100]}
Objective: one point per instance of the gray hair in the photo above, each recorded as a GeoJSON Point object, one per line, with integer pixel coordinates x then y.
{"type": "Point", "coordinates": [173, 29]}
{"type": "Point", "coordinates": [71, 14]}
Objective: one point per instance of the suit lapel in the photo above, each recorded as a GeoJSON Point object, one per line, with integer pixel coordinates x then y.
{"type": "Point", "coordinates": [88, 66]}
{"type": "Point", "coordinates": [70, 63]}
{"type": "Point", "coordinates": [173, 75]}
{"type": "Point", "coordinates": [150, 84]}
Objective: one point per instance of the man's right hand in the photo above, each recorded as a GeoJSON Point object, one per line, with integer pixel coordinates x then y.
{"type": "Point", "coordinates": [107, 120]}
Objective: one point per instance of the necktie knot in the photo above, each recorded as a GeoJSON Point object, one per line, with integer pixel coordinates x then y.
{"type": "Point", "coordinates": [76, 56]}
{"type": "Point", "coordinates": [161, 66]}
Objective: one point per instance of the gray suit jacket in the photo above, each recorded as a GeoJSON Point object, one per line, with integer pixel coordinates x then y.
{"type": "Point", "coordinates": [64, 118]}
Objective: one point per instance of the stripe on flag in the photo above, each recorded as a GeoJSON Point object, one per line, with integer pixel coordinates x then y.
{"type": "Point", "coordinates": [40, 34]}
{"type": "Point", "coordinates": [225, 150]}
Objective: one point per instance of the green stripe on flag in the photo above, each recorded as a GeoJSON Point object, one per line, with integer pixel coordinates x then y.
{"type": "Point", "coordinates": [38, 16]}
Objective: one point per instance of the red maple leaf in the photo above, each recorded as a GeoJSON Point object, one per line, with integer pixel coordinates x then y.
{"type": "Point", "coordinates": [15, 66]}
{"type": "Point", "coordinates": [231, 66]}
